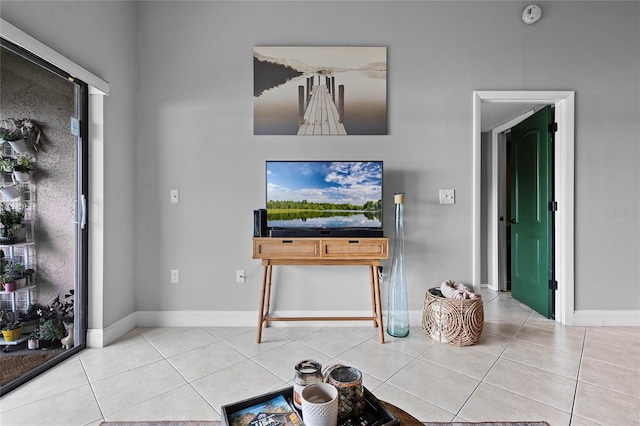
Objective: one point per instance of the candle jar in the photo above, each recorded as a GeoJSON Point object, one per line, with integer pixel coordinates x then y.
{"type": "Point", "coordinates": [307, 372]}
{"type": "Point", "coordinates": [348, 380]}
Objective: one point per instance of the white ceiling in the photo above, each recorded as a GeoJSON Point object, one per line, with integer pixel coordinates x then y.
{"type": "Point", "coordinates": [494, 114]}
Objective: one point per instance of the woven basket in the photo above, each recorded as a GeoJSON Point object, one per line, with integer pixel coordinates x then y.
{"type": "Point", "coordinates": [455, 321]}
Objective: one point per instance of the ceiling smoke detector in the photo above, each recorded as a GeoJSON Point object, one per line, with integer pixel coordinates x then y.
{"type": "Point", "coordinates": [531, 14]}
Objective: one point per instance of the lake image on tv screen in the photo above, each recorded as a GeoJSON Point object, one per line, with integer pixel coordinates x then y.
{"type": "Point", "coordinates": [324, 194]}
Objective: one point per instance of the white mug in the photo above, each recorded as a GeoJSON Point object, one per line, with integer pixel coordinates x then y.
{"type": "Point", "coordinates": [320, 405]}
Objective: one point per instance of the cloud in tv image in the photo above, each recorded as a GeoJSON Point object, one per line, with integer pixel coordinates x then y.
{"type": "Point", "coordinates": [324, 194]}
{"type": "Point", "coordinates": [306, 90]}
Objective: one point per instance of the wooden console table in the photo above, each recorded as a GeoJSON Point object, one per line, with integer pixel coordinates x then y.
{"type": "Point", "coordinates": [315, 252]}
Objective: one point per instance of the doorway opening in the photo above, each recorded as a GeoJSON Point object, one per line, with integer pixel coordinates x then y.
{"type": "Point", "coordinates": [498, 244]}
{"type": "Point", "coordinates": [564, 105]}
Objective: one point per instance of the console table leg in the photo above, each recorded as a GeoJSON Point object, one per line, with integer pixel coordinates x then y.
{"type": "Point", "coordinates": [262, 297]}
{"type": "Point", "coordinates": [268, 306]}
{"type": "Point", "coordinates": [372, 284]}
{"type": "Point", "coordinates": [376, 280]}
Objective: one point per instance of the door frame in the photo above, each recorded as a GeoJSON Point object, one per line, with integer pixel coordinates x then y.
{"type": "Point", "coordinates": [564, 187]}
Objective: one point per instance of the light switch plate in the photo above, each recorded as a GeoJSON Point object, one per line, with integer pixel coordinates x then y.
{"type": "Point", "coordinates": [447, 196]}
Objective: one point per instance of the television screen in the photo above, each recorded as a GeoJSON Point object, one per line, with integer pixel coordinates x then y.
{"type": "Point", "coordinates": [337, 195]}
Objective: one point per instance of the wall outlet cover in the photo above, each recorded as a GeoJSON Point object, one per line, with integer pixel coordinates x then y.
{"type": "Point", "coordinates": [447, 196]}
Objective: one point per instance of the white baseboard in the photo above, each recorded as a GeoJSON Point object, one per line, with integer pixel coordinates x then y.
{"type": "Point", "coordinates": [95, 338]}
{"type": "Point", "coordinates": [606, 318]}
{"type": "Point", "coordinates": [98, 338]}
{"type": "Point", "coordinates": [196, 318]}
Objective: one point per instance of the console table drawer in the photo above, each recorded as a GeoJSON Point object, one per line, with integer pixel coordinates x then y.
{"type": "Point", "coordinates": [320, 248]}
{"type": "Point", "coordinates": [365, 248]}
{"type": "Point", "coordinates": [274, 248]}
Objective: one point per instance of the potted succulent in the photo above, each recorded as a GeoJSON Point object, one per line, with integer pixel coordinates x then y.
{"type": "Point", "coordinates": [19, 131]}
{"type": "Point", "coordinates": [52, 321]}
{"type": "Point", "coordinates": [50, 331]}
{"type": "Point", "coordinates": [6, 317]}
{"type": "Point", "coordinates": [22, 166]}
{"type": "Point", "coordinates": [12, 272]}
{"type": "Point", "coordinates": [15, 137]}
{"type": "Point", "coordinates": [6, 163]}
{"type": "Point", "coordinates": [12, 331]}
{"type": "Point", "coordinates": [30, 319]}
{"type": "Point", "coordinates": [11, 220]}
{"type": "Point", "coordinates": [10, 135]}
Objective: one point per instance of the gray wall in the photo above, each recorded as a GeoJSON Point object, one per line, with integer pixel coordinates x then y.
{"type": "Point", "coordinates": [193, 131]}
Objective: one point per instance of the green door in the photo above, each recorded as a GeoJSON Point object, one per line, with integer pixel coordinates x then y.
{"type": "Point", "coordinates": [531, 174]}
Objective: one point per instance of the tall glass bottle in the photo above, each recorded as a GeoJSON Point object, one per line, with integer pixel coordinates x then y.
{"type": "Point", "coordinates": [398, 305]}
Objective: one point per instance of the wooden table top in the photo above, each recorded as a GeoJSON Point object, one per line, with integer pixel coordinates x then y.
{"type": "Point", "coordinates": [405, 418]}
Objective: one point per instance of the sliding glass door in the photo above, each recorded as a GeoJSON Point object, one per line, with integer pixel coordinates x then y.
{"type": "Point", "coordinates": [43, 124]}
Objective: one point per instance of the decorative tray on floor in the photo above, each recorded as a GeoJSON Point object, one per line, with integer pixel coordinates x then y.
{"type": "Point", "coordinates": [375, 413]}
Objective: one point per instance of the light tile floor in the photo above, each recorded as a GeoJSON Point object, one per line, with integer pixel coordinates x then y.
{"type": "Point", "coordinates": [524, 367]}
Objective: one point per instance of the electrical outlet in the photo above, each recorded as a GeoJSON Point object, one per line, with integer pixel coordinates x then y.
{"type": "Point", "coordinates": [175, 196]}
{"type": "Point", "coordinates": [447, 196]}
{"type": "Point", "coordinates": [240, 277]}
{"type": "Point", "coordinates": [175, 276]}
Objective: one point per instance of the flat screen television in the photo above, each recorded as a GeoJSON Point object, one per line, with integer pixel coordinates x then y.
{"type": "Point", "coordinates": [324, 198]}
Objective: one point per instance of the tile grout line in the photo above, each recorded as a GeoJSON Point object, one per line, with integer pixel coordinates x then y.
{"type": "Point", "coordinates": [93, 392]}
{"type": "Point", "coordinates": [492, 366]}
{"type": "Point", "coordinates": [163, 358]}
{"type": "Point", "coordinates": [575, 390]}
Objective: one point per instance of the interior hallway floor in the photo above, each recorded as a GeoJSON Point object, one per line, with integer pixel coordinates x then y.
{"type": "Point", "coordinates": [524, 367]}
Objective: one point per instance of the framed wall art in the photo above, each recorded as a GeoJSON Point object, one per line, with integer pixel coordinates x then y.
{"type": "Point", "coordinates": [304, 90]}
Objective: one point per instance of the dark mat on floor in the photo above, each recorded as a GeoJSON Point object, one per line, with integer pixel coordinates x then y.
{"type": "Point", "coordinates": [490, 424]}
{"type": "Point", "coordinates": [216, 423]}
{"type": "Point", "coordinates": [408, 420]}
{"type": "Point", "coordinates": [14, 366]}
{"type": "Point", "coordinates": [162, 423]}
{"type": "Point", "coordinates": [405, 420]}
